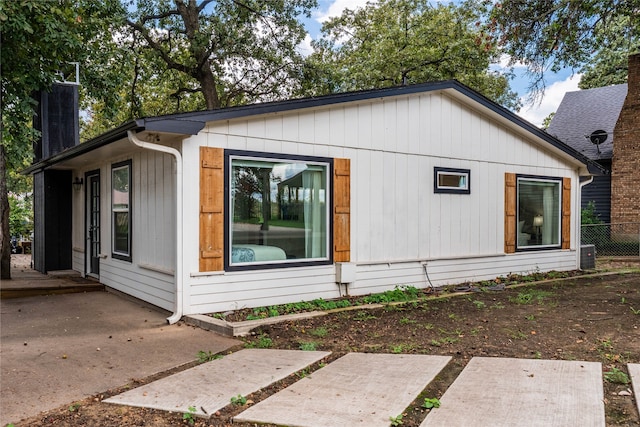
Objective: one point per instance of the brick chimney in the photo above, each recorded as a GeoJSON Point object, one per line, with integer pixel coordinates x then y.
{"type": "Point", "coordinates": [625, 170]}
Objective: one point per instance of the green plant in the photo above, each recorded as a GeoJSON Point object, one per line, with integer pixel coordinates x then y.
{"type": "Point", "coordinates": [363, 315]}
{"type": "Point", "coordinates": [189, 416]}
{"type": "Point", "coordinates": [208, 356]}
{"type": "Point", "coordinates": [308, 346]}
{"type": "Point", "coordinates": [530, 296]}
{"type": "Point", "coordinates": [74, 407]}
{"type": "Point", "coordinates": [634, 311]}
{"type": "Point", "coordinates": [319, 332]}
{"type": "Point", "coordinates": [263, 342]}
{"type": "Point", "coordinates": [239, 400]}
{"type": "Point", "coordinates": [479, 304]}
{"type": "Point", "coordinates": [516, 335]}
{"type": "Point", "coordinates": [405, 321]}
{"type": "Point", "coordinates": [530, 317]}
{"type": "Point", "coordinates": [616, 376]}
{"type": "Point", "coordinates": [396, 421]}
{"type": "Point", "coordinates": [431, 402]}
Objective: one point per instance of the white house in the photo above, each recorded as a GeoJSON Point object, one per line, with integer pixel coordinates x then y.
{"type": "Point", "coordinates": [311, 198]}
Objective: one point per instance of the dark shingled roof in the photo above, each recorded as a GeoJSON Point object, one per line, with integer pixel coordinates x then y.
{"type": "Point", "coordinates": [582, 112]}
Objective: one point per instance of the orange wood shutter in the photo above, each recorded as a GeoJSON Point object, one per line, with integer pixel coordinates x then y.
{"type": "Point", "coordinates": [342, 210]}
{"type": "Point", "coordinates": [509, 213]}
{"type": "Point", "coordinates": [211, 209]}
{"type": "Point", "coordinates": [566, 213]}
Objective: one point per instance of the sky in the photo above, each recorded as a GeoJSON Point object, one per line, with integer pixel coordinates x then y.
{"type": "Point", "coordinates": [557, 83]}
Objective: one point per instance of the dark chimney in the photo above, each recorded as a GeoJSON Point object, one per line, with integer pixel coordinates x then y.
{"type": "Point", "coordinates": [57, 120]}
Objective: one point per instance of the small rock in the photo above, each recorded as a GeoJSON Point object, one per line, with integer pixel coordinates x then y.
{"type": "Point", "coordinates": [64, 356]}
{"type": "Point", "coordinates": [624, 393]}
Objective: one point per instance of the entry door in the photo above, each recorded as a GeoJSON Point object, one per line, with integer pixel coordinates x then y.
{"type": "Point", "coordinates": [93, 225]}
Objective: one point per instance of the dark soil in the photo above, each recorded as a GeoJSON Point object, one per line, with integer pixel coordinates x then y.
{"type": "Point", "coordinates": [581, 318]}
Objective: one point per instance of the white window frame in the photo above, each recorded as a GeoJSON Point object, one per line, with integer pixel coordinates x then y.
{"type": "Point", "coordinates": [464, 174]}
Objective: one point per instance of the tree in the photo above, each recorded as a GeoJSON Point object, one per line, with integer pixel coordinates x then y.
{"type": "Point", "coordinates": [548, 35]}
{"type": "Point", "coordinates": [228, 51]}
{"type": "Point", "coordinates": [398, 42]}
{"type": "Point", "coordinates": [38, 39]}
{"type": "Point", "coordinates": [610, 65]}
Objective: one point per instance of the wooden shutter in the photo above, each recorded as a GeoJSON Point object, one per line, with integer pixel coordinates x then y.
{"type": "Point", "coordinates": [341, 210]}
{"type": "Point", "coordinates": [566, 213]}
{"type": "Point", "coordinates": [211, 209]}
{"type": "Point", "coordinates": [510, 213]}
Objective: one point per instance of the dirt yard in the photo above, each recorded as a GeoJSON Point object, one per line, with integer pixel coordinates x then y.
{"type": "Point", "coordinates": [581, 318]}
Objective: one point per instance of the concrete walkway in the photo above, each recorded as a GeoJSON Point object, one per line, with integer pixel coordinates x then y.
{"type": "Point", "coordinates": [370, 389]}
{"type": "Point", "coordinates": [61, 348]}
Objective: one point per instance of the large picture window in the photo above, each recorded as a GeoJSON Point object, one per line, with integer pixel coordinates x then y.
{"type": "Point", "coordinates": [278, 210]}
{"type": "Point", "coordinates": [539, 212]}
{"type": "Point", "coordinates": [121, 210]}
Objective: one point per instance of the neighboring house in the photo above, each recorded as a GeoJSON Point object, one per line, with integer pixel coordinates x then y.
{"type": "Point", "coordinates": [604, 125]}
{"type": "Point", "coordinates": [580, 115]}
{"type": "Point", "coordinates": [287, 201]}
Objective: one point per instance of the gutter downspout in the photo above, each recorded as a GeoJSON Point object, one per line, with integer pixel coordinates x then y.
{"type": "Point", "coordinates": [177, 315]}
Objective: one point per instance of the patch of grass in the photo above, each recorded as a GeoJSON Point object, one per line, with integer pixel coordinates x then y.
{"type": "Point", "coordinates": [319, 332]}
{"type": "Point", "coordinates": [616, 376]}
{"type": "Point", "coordinates": [634, 311]}
{"type": "Point", "coordinates": [531, 296]}
{"type": "Point", "coordinates": [530, 317]}
{"type": "Point", "coordinates": [74, 407]}
{"type": "Point", "coordinates": [399, 294]}
{"type": "Point", "coordinates": [428, 326]}
{"type": "Point", "coordinates": [516, 335]}
{"type": "Point", "coordinates": [207, 356]}
{"type": "Point", "coordinates": [308, 346]}
{"type": "Point", "coordinates": [499, 305]}
{"type": "Point", "coordinates": [364, 315]}
{"type": "Point", "coordinates": [479, 304]}
{"type": "Point", "coordinates": [407, 321]}
{"type": "Point", "coordinates": [396, 349]}
{"type": "Point", "coordinates": [263, 341]}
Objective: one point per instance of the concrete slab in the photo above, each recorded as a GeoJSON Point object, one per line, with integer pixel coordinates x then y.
{"type": "Point", "coordinates": [357, 389]}
{"type": "Point", "coordinates": [210, 386]}
{"type": "Point", "coordinates": [522, 392]}
{"type": "Point", "coordinates": [61, 348]}
{"type": "Point", "coordinates": [634, 373]}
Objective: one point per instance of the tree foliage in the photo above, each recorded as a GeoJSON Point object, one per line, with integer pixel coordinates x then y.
{"type": "Point", "coordinates": [548, 35]}
{"type": "Point", "coordinates": [610, 64]}
{"type": "Point", "coordinates": [397, 42]}
{"type": "Point", "coordinates": [228, 52]}
{"type": "Point", "coordinates": [38, 39]}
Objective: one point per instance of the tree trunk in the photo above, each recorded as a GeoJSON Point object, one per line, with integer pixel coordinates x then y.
{"type": "Point", "coordinates": [208, 86]}
{"type": "Point", "coordinates": [5, 238]}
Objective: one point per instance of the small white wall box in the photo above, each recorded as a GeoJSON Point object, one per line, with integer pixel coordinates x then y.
{"type": "Point", "coordinates": [345, 272]}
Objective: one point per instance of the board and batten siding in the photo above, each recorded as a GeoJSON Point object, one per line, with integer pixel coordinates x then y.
{"type": "Point", "coordinates": [398, 223]}
{"type": "Point", "coordinates": [150, 274]}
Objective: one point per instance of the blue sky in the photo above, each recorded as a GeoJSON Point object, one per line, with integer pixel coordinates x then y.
{"type": "Point", "coordinates": [557, 83]}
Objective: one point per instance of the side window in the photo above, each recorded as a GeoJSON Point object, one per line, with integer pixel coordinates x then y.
{"type": "Point", "coordinates": [121, 210]}
{"type": "Point", "coordinates": [539, 212]}
{"type": "Point", "coordinates": [448, 180]}
{"type": "Point", "coordinates": [278, 210]}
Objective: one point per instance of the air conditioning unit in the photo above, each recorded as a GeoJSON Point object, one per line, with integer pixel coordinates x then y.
{"type": "Point", "coordinates": [587, 257]}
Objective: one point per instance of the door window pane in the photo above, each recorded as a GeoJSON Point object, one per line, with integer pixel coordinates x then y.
{"type": "Point", "coordinates": [120, 208]}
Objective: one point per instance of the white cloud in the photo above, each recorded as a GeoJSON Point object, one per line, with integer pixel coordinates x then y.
{"type": "Point", "coordinates": [552, 97]}
{"type": "Point", "coordinates": [304, 48]}
{"type": "Point", "coordinates": [331, 9]}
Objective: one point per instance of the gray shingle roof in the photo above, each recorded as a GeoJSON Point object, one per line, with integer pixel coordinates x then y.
{"type": "Point", "coordinates": [582, 112]}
